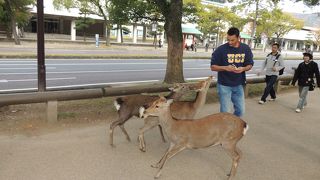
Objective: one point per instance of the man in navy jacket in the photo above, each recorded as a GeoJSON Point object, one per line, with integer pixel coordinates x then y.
{"type": "Point", "coordinates": [231, 60]}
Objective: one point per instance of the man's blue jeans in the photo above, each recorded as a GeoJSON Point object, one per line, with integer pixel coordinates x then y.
{"type": "Point", "coordinates": [270, 81]}
{"type": "Point", "coordinates": [231, 94]}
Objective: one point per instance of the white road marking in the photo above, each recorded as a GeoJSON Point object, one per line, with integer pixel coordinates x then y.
{"type": "Point", "coordinates": [198, 78]}
{"type": "Point", "coordinates": [24, 89]}
{"type": "Point", "coordinates": [26, 68]}
{"type": "Point", "coordinates": [48, 79]}
{"type": "Point", "coordinates": [3, 81]}
{"type": "Point", "coordinates": [83, 64]}
{"type": "Point", "coordinates": [81, 85]}
{"type": "Point", "coordinates": [112, 71]}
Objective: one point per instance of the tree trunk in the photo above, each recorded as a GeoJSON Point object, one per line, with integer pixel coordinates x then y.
{"type": "Point", "coordinates": [14, 31]}
{"type": "Point", "coordinates": [173, 17]}
{"type": "Point", "coordinates": [108, 25]}
{"type": "Point", "coordinates": [254, 26]}
{"type": "Point", "coordinates": [121, 33]}
{"type": "Point", "coordinates": [144, 37]}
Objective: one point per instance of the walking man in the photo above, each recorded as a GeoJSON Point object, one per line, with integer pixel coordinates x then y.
{"type": "Point", "coordinates": [273, 64]}
{"type": "Point", "coordinates": [231, 60]}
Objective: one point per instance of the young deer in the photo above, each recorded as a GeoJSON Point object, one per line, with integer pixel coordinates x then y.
{"type": "Point", "coordinates": [128, 106]}
{"type": "Point", "coordinates": [179, 109]}
{"type": "Point", "coordinates": [223, 129]}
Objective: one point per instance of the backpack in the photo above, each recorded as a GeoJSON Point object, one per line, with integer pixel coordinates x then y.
{"type": "Point", "coordinates": [276, 60]}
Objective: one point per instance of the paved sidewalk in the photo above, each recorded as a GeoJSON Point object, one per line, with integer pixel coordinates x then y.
{"type": "Point", "coordinates": [280, 145]}
{"type": "Point", "coordinates": [80, 50]}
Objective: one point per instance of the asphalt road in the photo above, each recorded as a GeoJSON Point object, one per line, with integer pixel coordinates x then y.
{"type": "Point", "coordinates": [21, 74]}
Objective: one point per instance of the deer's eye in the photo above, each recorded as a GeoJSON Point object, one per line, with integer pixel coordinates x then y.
{"type": "Point", "coordinates": [157, 106]}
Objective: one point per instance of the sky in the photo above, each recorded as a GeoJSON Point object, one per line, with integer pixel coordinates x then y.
{"type": "Point", "coordinates": [297, 7]}
{"type": "Point", "coordinates": [290, 6]}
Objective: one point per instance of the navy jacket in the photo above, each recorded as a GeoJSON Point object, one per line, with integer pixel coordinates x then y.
{"type": "Point", "coordinates": [226, 55]}
{"type": "Point", "coordinates": [305, 73]}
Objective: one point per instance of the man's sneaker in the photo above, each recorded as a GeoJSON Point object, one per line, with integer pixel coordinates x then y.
{"type": "Point", "coordinates": [272, 99]}
{"type": "Point", "coordinates": [261, 102]}
{"type": "Point", "coordinates": [298, 110]}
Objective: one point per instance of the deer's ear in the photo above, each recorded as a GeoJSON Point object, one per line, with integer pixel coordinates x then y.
{"type": "Point", "coordinates": [145, 106]}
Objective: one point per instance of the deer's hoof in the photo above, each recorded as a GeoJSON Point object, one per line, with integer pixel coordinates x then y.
{"type": "Point", "coordinates": [157, 175]}
{"type": "Point", "coordinates": [142, 149]}
{"type": "Point", "coordinates": [112, 145]}
{"type": "Point", "coordinates": [155, 166]}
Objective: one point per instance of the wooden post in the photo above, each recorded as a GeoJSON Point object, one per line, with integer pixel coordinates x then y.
{"type": "Point", "coordinates": [277, 86]}
{"type": "Point", "coordinates": [246, 90]}
{"type": "Point", "coordinates": [52, 111]}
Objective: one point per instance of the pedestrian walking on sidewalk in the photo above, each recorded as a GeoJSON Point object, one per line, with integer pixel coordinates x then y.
{"type": "Point", "coordinates": [207, 47]}
{"type": "Point", "coordinates": [304, 74]}
{"type": "Point", "coordinates": [273, 64]}
{"type": "Point", "coordinates": [160, 43]}
{"type": "Point", "coordinates": [231, 60]}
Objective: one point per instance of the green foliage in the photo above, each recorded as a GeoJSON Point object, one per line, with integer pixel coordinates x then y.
{"type": "Point", "coordinates": [82, 23]}
{"type": "Point", "coordinates": [14, 11]}
{"type": "Point", "coordinates": [59, 4]}
{"type": "Point", "coordinates": [191, 8]}
{"type": "Point", "coordinates": [310, 2]}
{"type": "Point", "coordinates": [213, 19]}
{"type": "Point", "coordinates": [308, 42]}
{"type": "Point", "coordinates": [277, 23]}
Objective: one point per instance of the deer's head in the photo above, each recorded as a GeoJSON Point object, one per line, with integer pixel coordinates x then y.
{"type": "Point", "coordinates": [156, 107]}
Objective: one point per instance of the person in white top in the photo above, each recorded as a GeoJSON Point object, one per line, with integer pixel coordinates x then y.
{"type": "Point", "coordinates": [273, 64]}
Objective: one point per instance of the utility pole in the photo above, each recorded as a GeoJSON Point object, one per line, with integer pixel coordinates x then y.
{"type": "Point", "coordinates": [40, 44]}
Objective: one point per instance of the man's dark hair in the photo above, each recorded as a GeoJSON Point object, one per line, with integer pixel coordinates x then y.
{"type": "Point", "coordinates": [233, 31]}
{"type": "Point", "coordinates": [276, 44]}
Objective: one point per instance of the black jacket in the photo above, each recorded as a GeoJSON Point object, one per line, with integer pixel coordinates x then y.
{"type": "Point", "coordinates": [305, 74]}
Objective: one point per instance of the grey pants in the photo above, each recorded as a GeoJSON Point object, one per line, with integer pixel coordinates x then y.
{"type": "Point", "coordinates": [303, 92]}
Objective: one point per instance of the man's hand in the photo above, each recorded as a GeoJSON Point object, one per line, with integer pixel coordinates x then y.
{"type": "Point", "coordinates": [230, 68]}
{"type": "Point", "coordinates": [238, 70]}
{"type": "Point", "coordinates": [274, 69]}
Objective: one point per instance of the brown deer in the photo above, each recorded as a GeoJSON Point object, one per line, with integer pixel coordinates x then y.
{"type": "Point", "coordinates": [223, 129]}
{"type": "Point", "coordinates": [128, 106]}
{"type": "Point", "coordinates": [179, 109]}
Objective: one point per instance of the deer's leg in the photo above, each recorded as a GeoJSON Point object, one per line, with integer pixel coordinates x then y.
{"type": "Point", "coordinates": [173, 150]}
{"type": "Point", "coordinates": [157, 165]}
{"type": "Point", "coordinates": [149, 123]}
{"type": "Point", "coordinates": [112, 126]}
{"type": "Point", "coordinates": [235, 154]}
{"type": "Point", "coordinates": [161, 132]}
{"type": "Point", "coordinates": [120, 121]}
{"type": "Point", "coordinates": [125, 132]}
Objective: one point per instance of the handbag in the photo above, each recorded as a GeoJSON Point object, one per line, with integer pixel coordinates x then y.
{"type": "Point", "coordinates": [312, 86]}
{"type": "Point", "coordinates": [281, 71]}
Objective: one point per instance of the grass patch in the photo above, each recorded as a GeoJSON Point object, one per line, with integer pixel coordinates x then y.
{"type": "Point", "coordinates": [65, 115]}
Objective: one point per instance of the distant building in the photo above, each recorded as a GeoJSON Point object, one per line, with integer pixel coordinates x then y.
{"type": "Point", "coordinates": [219, 3]}
{"type": "Point", "coordinates": [304, 38]}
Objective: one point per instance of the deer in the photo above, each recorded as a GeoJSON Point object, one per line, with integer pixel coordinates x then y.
{"type": "Point", "coordinates": [179, 109]}
{"type": "Point", "coordinates": [128, 106]}
{"type": "Point", "coordinates": [223, 129]}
